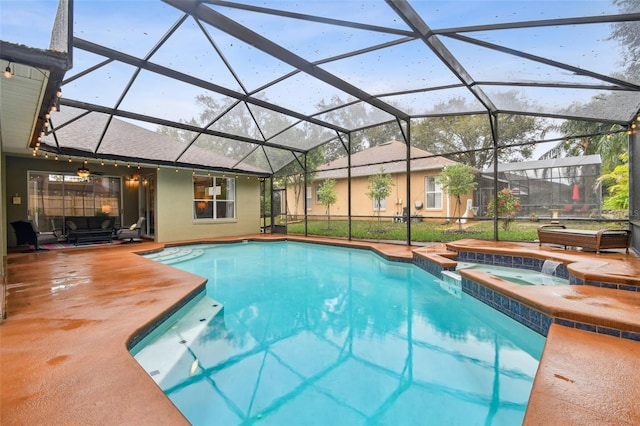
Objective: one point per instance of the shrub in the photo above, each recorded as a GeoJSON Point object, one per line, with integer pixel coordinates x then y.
{"type": "Point", "coordinates": [508, 206]}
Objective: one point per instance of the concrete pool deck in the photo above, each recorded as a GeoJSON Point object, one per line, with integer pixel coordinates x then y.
{"type": "Point", "coordinates": [70, 313]}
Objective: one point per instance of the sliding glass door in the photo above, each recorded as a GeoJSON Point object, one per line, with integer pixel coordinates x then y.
{"type": "Point", "coordinates": [54, 196]}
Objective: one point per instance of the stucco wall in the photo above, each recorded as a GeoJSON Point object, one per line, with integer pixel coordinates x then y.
{"type": "Point", "coordinates": [16, 184]}
{"type": "Point", "coordinates": [3, 212]}
{"type": "Point", "coordinates": [361, 205]}
{"type": "Point", "coordinates": [174, 218]}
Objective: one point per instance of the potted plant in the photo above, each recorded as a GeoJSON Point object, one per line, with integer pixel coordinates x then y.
{"type": "Point", "coordinates": [533, 217]}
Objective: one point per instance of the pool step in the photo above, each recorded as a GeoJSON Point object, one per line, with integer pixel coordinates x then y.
{"type": "Point", "coordinates": [172, 255]}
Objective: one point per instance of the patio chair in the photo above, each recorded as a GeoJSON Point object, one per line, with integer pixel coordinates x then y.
{"type": "Point", "coordinates": [584, 209]}
{"type": "Point", "coordinates": [27, 233]}
{"type": "Point", "coordinates": [404, 217]}
{"type": "Point", "coordinates": [131, 233]}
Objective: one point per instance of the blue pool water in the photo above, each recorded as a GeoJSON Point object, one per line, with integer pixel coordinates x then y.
{"type": "Point", "coordinates": [320, 335]}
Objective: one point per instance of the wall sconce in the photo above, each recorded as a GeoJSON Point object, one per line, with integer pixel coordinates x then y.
{"type": "Point", "coordinates": [7, 71]}
{"type": "Point", "coordinates": [132, 181]}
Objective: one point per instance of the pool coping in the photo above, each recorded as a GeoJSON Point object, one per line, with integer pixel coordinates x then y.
{"type": "Point", "coordinates": [56, 332]}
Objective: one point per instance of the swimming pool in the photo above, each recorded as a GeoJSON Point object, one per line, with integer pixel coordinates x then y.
{"type": "Point", "coordinates": [312, 334]}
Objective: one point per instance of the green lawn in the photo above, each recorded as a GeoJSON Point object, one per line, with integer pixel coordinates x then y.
{"type": "Point", "coordinates": [433, 231]}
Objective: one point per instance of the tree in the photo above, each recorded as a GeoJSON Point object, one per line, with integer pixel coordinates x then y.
{"type": "Point", "coordinates": [468, 138]}
{"type": "Point", "coordinates": [242, 119]}
{"type": "Point", "coordinates": [628, 33]}
{"type": "Point", "coordinates": [611, 146]}
{"type": "Point", "coordinates": [379, 189]}
{"type": "Point", "coordinates": [357, 116]}
{"type": "Point", "coordinates": [619, 190]}
{"type": "Point", "coordinates": [591, 139]}
{"type": "Point", "coordinates": [293, 175]}
{"type": "Point", "coordinates": [458, 180]}
{"type": "Point", "coordinates": [327, 197]}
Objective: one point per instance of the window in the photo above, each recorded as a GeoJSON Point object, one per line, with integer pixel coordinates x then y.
{"type": "Point", "coordinates": [433, 192]}
{"type": "Point", "coordinates": [214, 197]}
{"type": "Point", "coordinates": [54, 196]}
{"type": "Point", "coordinates": [309, 197]}
{"type": "Point", "coordinates": [318, 193]}
{"type": "Point", "coordinates": [379, 205]}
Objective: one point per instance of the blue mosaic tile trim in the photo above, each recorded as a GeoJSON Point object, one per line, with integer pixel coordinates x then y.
{"type": "Point", "coordinates": [631, 335]}
{"type": "Point", "coordinates": [433, 268]}
{"type": "Point", "coordinates": [532, 318]}
{"type": "Point", "coordinates": [535, 320]}
{"type": "Point", "coordinates": [625, 287]}
{"type": "Point", "coordinates": [575, 280]}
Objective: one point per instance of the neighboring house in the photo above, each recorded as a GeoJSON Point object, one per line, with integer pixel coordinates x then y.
{"type": "Point", "coordinates": [427, 198]}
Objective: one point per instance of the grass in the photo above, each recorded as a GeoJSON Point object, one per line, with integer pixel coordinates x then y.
{"type": "Point", "coordinates": [432, 231]}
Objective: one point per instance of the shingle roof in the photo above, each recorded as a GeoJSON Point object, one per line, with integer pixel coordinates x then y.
{"type": "Point", "coordinates": [393, 154]}
{"type": "Point", "coordinates": [124, 139]}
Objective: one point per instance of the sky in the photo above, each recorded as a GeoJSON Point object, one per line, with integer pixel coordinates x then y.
{"type": "Point", "coordinates": [135, 26]}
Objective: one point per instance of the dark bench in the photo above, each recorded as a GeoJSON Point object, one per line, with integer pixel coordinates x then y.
{"type": "Point", "coordinates": [84, 229]}
{"type": "Point", "coordinates": [596, 240]}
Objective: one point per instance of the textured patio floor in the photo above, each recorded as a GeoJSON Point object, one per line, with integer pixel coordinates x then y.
{"type": "Point", "coordinates": [63, 355]}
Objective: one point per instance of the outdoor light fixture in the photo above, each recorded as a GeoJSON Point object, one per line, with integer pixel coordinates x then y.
{"type": "Point", "coordinates": [83, 172]}
{"type": "Point", "coordinates": [7, 71]}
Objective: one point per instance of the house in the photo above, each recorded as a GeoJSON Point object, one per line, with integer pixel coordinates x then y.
{"type": "Point", "coordinates": [427, 198]}
{"type": "Point", "coordinates": [177, 203]}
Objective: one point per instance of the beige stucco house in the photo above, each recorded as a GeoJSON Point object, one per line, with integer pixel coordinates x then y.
{"type": "Point", "coordinates": [427, 198]}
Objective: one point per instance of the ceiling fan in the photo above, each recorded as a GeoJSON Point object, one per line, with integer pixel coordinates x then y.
{"type": "Point", "coordinates": [84, 172]}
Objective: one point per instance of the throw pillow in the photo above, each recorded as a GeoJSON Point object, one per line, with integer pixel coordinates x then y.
{"type": "Point", "coordinates": [71, 225]}
{"type": "Point", "coordinates": [105, 224]}
{"type": "Point", "coordinates": [133, 227]}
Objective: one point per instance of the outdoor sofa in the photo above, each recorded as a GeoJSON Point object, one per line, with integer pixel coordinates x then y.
{"type": "Point", "coordinates": [83, 229]}
{"type": "Point", "coordinates": [590, 239]}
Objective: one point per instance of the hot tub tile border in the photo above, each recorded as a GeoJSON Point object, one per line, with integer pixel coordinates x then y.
{"type": "Point", "coordinates": [524, 314]}
{"type": "Point", "coordinates": [573, 280]}
{"type": "Point", "coordinates": [535, 264]}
